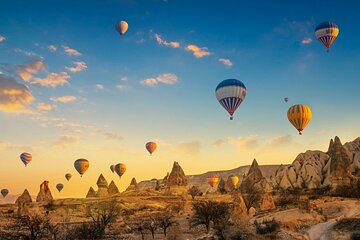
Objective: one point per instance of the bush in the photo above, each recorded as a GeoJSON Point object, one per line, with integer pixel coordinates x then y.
{"type": "Point", "coordinates": [355, 236]}
{"type": "Point", "coordinates": [267, 227]}
{"type": "Point", "coordinates": [348, 224]}
{"type": "Point", "coordinates": [286, 199]}
{"type": "Point", "coordinates": [194, 191]}
{"type": "Point", "coordinates": [348, 191]}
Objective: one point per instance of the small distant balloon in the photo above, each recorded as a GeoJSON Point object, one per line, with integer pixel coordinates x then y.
{"type": "Point", "coordinates": [4, 192]}
{"type": "Point", "coordinates": [326, 33]}
{"type": "Point", "coordinates": [299, 116]}
{"type": "Point", "coordinates": [120, 169]}
{"type": "Point", "coordinates": [213, 180]}
{"type": "Point", "coordinates": [68, 176]}
{"type": "Point", "coordinates": [26, 158]}
{"type": "Point", "coordinates": [112, 168]}
{"type": "Point", "coordinates": [59, 186]}
{"type": "Point", "coordinates": [151, 146]}
{"type": "Point", "coordinates": [81, 165]}
{"type": "Point", "coordinates": [121, 27]}
{"type": "Point", "coordinates": [286, 99]}
{"type": "Point", "coordinates": [234, 180]}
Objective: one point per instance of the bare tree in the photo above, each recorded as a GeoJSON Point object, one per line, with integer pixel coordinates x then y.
{"type": "Point", "coordinates": [151, 226]}
{"type": "Point", "coordinates": [165, 221]}
{"type": "Point", "coordinates": [194, 191]}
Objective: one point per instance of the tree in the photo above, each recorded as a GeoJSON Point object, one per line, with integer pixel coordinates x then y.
{"type": "Point", "coordinates": [151, 226]}
{"type": "Point", "coordinates": [194, 191]}
{"type": "Point", "coordinates": [34, 225]}
{"type": "Point", "coordinates": [165, 221]}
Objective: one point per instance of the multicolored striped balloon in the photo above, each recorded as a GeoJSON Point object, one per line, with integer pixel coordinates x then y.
{"type": "Point", "coordinates": [230, 93]}
{"type": "Point", "coordinates": [151, 146]}
{"type": "Point", "coordinates": [26, 158]}
{"type": "Point", "coordinates": [81, 165]}
{"type": "Point", "coordinates": [212, 180]}
{"type": "Point", "coordinates": [120, 169]}
{"type": "Point", "coordinates": [326, 33]}
{"type": "Point", "coordinates": [299, 116]}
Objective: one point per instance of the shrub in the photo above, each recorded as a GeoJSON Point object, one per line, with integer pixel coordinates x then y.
{"type": "Point", "coordinates": [355, 236]}
{"type": "Point", "coordinates": [194, 191]}
{"type": "Point", "coordinates": [267, 227]}
{"type": "Point", "coordinates": [348, 191]}
{"type": "Point", "coordinates": [286, 199]}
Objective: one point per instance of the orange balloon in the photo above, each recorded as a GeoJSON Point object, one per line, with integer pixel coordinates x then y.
{"type": "Point", "coordinates": [213, 180]}
{"type": "Point", "coordinates": [151, 146]}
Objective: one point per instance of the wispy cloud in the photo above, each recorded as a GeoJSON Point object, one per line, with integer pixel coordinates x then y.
{"type": "Point", "coordinates": [120, 87]}
{"type": "Point", "coordinates": [52, 48]}
{"type": "Point", "coordinates": [27, 70]}
{"type": "Point", "coordinates": [190, 148]}
{"type": "Point", "coordinates": [99, 86]}
{"type": "Point", "coordinates": [306, 41]}
{"type": "Point", "coordinates": [64, 99]}
{"type": "Point", "coordinates": [112, 136]}
{"type": "Point", "coordinates": [226, 62]}
{"type": "Point", "coordinates": [52, 80]}
{"type": "Point", "coordinates": [198, 52]}
{"type": "Point", "coordinates": [26, 53]}
{"type": "Point", "coordinates": [247, 142]}
{"type": "Point", "coordinates": [124, 78]}
{"type": "Point", "coordinates": [166, 43]}
{"type": "Point", "coordinates": [71, 52]}
{"type": "Point", "coordinates": [279, 141]}
{"type": "Point", "coordinates": [2, 38]}
{"type": "Point", "coordinates": [45, 106]}
{"type": "Point", "coordinates": [65, 141]}
{"type": "Point", "coordinates": [79, 66]}
{"type": "Point", "coordinates": [166, 78]}
{"type": "Point", "coordinates": [14, 97]}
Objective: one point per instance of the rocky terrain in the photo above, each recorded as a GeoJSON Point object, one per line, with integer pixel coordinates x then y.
{"type": "Point", "coordinates": [315, 197]}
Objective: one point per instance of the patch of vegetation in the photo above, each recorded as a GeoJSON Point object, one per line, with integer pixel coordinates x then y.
{"type": "Point", "coordinates": [348, 225]}
{"type": "Point", "coordinates": [351, 191]}
{"type": "Point", "coordinates": [194, 191]}
{"type": "Point", "coordinates": [267, 227]}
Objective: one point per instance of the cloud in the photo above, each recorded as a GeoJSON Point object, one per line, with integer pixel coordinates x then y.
{"type": "Point", "coordinates": [248, 142]}
{"type": "Point", "coordinates": [27, 70]}
{"type": "Point", "coordinates": [64, 99]}
{"type": "Point", "coordinates": [65, 141]}
{"type": "Point", "coordinates": [2, 38]}
{"type": "Point", "coordinates": [45, 106]}
{"type": "Point", "coordinates": [26, 53]}
{"type": "Point", "coordinates": [166, 78]}
{"type": "Point", "coordinates": [279, 141]}
{"type": "Point", "coordinates": [120, 87]}
{"type": "Point", "coordinates": [71, 51]}
{"type": "Point", "coordinates": [125, 78]}
{"type": "Point", "coordinates": [306, 41]}
{"type": "Point", "coordinates": [79, 66]}
{"type": "Point", "coordinates": [9, 145]}
{"type": "Point", "coordinates": [226, 62]}
{"type": "Point", "coordinates": [52, 48]}
{"type": "Point", "coordinates": [112, 136]}
{"type": "Point", "coordinates": [52, 80]}
{"type": "Point", "coordinates": [190, 148]}
{"type": "Point", "coordinates": [165, 43]}
{"type": "Point", "coordinates": [197, 51]}
{"type": "Point", "coordinates": [219, 142]}
{"type": "Point", "coordinates": [99, 86]}
{"type": "Point", "coordinates": [14, 97]}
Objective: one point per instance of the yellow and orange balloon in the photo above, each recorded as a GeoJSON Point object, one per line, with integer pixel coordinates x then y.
{"type": "Point", "coordinates": [151, 146]}
{"type": "Point", "coordinates": [234, 180]}
{"type": "Point", "coordinates": [299, 116]}
{"type": "Point", "coordinates": [213, 180]}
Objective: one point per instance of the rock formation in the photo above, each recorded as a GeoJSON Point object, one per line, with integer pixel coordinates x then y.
{"type": "Point", "coordinates": [133, 185]}
{"type": "Point", "coordinates": [113, 189]}
{"type": "Point", "coordinates": [91, 193]}
{"type": "Point", "coordinates": [102, 187]}
{"type": "Point", "coordinates": [177, 176]}
{"type": "Point", "coordinates": [316, 169]}
{"type": "Point", "coordinates": [23, 202]}
{"type": "Point", "coordinates": [256, 189]}
{"type": "Point", "coordinates": [44, 194]}
{"type": "Point", "coordinates": [239, 205]}
{"type": "Point", "coordinates": [221, 187]}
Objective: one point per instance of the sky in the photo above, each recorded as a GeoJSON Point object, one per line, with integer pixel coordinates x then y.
{"type": "Point", "coordinates": [71, 87]}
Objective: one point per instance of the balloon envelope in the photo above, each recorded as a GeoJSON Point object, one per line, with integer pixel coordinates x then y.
{"type": "Point", "coordinates": [212, 180]}
{"type": "Point", "coordinates": [234, 180]}
{"type": "Point", "coordinates": [286, 99]}
{"type": "Point", "coordinates": [26, 158]}
{"type": "Point", "coordinates": [68, 176]}
{"type": "Point", "coordinates": [4, 192]}
{"type": "Point", "coordinates": [121, 27]}
{"type": "Point", "coordinates": [120, 169]}
{"type": "Point", "coordinates": [151, 146]}
{"type": "Point", "coordinates": [81, 165]}
{"type": "Point", "coordinates": [299, 116]}
{"type": "Point", "coordinates": [230, 93]}
{"type": "Point", "coordinates": [59, 186]}
{"type": "Point", "coordinates": [112, 168]}
{"type": "Point", "coordinates": [326, 33]}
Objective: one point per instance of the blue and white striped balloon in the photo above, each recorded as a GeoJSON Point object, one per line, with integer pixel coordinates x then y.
{"type": "Point", "coordinates": [26, 158]}
{"type": "Point", "coordinates": [230, 93]}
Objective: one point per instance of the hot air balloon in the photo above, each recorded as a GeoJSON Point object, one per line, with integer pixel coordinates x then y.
{"type": "Point", "coordinates": [151, 146]}
{"type": "Point", "coordinates": [121, 27]}
{"type": "Point", "coordinates": [26, 158]}
{"type": "Point", "coordinates": [286, 99]}
{"type": "Point", "coordinates": [120, 169]}
{"type": "Point", "coordinates": [59, 186]}
{"type": "Point", "coordinates": [299, 116]}
{"type": "Point", "coordinates": [68, 176]}
{"type": "Point", "coordinates": [326, 33]}
{"type": "Point", "coordinates": [213, 180]}
{"type": "Point", "coordinates": [234, 180]}
{"type": "Point", "coordinates": [112, 168]}
{"type": "Point", "coordinates": [230, 93]}
{"type": "Point", "coordinates": [4, 192]}
{"type": "Point", "coordinates": [81, 165]}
